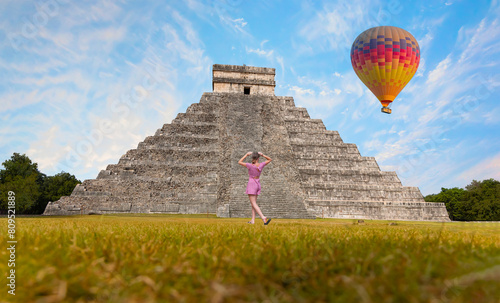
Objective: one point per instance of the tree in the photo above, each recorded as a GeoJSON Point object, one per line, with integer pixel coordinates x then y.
{"type": "Point", "coordinates": [19, 165]}
{"type": "Point", "coordinates": [26, 189]}
{"type": "Point", "coordinates": [484, 199]}
{"type": "Point", "coordinates": [33, 189]}
{"type": "Point", "coordinates": [452, 198]}
{"type": "Point", "coordinates": [479, 201]}
{"type": "Point", "coordinates": [23, 178]}
{"type": "Point", "coordinates": [54, 187]}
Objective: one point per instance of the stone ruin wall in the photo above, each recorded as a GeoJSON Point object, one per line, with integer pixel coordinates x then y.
{"type": "Point", "coordinates": [238, 88]}
{"type": "Point", "coordinates": [233, 79]}
{"type": "Point", "coordinates": [190, 166]}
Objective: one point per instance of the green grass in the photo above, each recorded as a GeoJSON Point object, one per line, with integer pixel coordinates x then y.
{"type": "Point", "coordinates": [192, 258]}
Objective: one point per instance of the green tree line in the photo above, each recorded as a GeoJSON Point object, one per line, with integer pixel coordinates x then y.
{"type": "Point", "coordinates": [33, 189]}
{"type": "Point", "coordinates": [479, 201]}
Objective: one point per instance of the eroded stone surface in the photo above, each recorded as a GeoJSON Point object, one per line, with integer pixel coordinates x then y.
{"type": "Point", "coordinates": [190, 166]}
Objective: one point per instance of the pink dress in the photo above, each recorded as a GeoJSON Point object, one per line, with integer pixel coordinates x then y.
{"type": "Point", "coordinates": [253, 186]}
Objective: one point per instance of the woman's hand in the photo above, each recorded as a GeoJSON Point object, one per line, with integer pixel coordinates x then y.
{"type": "Point", "coordinates": [261, 154]}
{"type": "Point", "coordinates": [243, 158]}
{"type": "Point", "coordinates": [267, 158]}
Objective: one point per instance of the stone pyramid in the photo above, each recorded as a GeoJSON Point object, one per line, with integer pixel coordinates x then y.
{"type": "Point", "coordinates": [190, 165]}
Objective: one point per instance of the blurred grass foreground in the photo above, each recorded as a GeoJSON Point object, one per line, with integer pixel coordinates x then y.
{"type": "Point", "coordinates": [193, 258]}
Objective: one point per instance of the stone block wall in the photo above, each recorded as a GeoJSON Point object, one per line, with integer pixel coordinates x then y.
{"type": "Point", "coordinates": [190, 166]}
{"type": "Point", "coordinates": [235, 79]}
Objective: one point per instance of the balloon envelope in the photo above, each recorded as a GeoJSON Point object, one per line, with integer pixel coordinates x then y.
{"type": "Point", "coordinates": [385, 58]}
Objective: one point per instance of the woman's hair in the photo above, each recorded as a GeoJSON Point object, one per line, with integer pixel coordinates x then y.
{"type": "Point", "coordinates": [255, 156]}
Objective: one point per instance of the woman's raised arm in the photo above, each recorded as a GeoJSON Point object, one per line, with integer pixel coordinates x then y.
{"type": "Point", "coordinates": [267, 158]}
{"type": "Point", "coordinates": [243, 158]}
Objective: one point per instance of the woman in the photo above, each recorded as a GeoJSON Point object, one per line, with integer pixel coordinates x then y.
{"type": "Point", "coordinates": [253, 186]}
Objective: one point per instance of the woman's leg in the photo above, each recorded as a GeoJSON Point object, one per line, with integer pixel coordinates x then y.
{"type": "Point", "coordinates": [253, 210]}
{"type": "Point", "coordinates": [255, 207]}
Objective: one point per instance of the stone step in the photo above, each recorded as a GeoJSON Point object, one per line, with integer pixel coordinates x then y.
{"type": "Point", "coordinates": [195, 197]}
{"type": "Point", "coordinates": [335, 151]}
{"type": "Point", "coordinates": [344, 177]}
{"type": "Point", "coordinates": [298, 143]}
{"type": "Point", "coordinates": [206, 105]}
{"type": "Point", "coordinates": [362, 192]}
{"type": "Point", "coordinates": [156, 175]}
{"type": "Point", "coordinates": [189, 128]}
{"type": "Point", "coordinates": [303, 150]}
{"type": "Point", "coordinates": [195, 117]}
{"type": "Point", "coordinates": [336, 168]}
{"type": "Point", "coordinates": [316, 131]}
{"type": "Point", "coordinates": [199, 145]}
{"type": "Point", "coordinates": [159, 155]}
{"type": "Point", "coordinates": [328, 167]}
{"type": "Point", "coordinates": [327, 202]}
{"type": "Point", "coordinates": [115, 204]}
{"type": "Point", "coordinates": [146, 184]}
{"type": "Point", "coordinates": [316, 136]}
{"type": "Point", "coordinates": [322, 155]}
{"type": "Point", "coordinates": [284, 101]}
{"type": "Point", "coordinates": [214, 147]}
{"type": "Point", "coordinates": [180, 140]}
{"type": "Point", "coordinates": [356, 187]}
{"type": "Point", "coordinates": [296, 112]}
{"type": "Point", "coordinates": [158, 170]}
{"type": "Point", "coordinates": [344, 160]}
{"type": "Point", "coordinates": [389, 210]}
{"type": "Point", "coordinates": [297, 124]}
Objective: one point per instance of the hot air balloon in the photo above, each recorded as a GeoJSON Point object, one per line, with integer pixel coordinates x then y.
{"type": "Point", "coordinates": [385, 58]}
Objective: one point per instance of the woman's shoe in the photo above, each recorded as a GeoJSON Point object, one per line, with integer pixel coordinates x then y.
{"type": "Point", "coordinates": [268, 220]}
{"type": "Point", "coordinates": [249, 222]}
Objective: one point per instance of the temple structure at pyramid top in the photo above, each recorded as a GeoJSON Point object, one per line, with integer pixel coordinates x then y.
{"type": "Point", "coordinates": [190, 166]}
{"type": "Point", "coordinates": [248, 80]}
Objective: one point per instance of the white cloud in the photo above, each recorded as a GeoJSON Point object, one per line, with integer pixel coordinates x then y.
{"type": "Point", "coordinates": [75, 77]}
{"type": "Point", "coordinates": [42, 67]}
{"type": "Point", "coordinates": [281, 62]}
{"type": "Point", "coordinates": [488, 168]}
{"type": "Point", "coordinates": [485, 34]}
{"type": "Point", "coordinates": [99, 12]}
{"type": "Point", "coordinates": [240, 22]}
{"type": "Point", "coordinates": [336, 25]}
{"type": "Point", "coordinates": [187, 28]}
{"type": "Point", "coordinates": [237, 25]}
{"type": "Point", "coordinates": [45, 151]}
{"type": "Point", "coordinates": [324, 96]}
{"type": "Point", "coordinates": [103, 38]}
{"type": "Point", "coordinates": [491, 117]}
{"type": "Point", "coordinates": [299, 91]}
{"type": "Point", "coordinates": [440, 72]}
{"type": "Point", "coordinates": [269, 54]}
{"type": "Point", "coordinates": [225, 11]}
{"type": "Point", "coordinates": [190, 51]}
{"type": "Point", "coordinates": [260, 52]}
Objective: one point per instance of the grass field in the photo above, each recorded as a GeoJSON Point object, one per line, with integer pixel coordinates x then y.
{"type": "Point", "coordinates": [162, 258]}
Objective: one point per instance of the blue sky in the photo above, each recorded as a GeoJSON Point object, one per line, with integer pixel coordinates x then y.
{"type": "Point", "coordinates": [82, 82]}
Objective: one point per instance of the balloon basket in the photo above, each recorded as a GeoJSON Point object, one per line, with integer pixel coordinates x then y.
{"type": "Point", "coordinates": [386, 110]}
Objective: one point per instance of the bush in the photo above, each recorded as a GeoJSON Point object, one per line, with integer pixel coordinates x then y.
{"type": "Point", "coordinates": [479, 201]}
{"type": "Point", "coordinates": [33, 189]}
